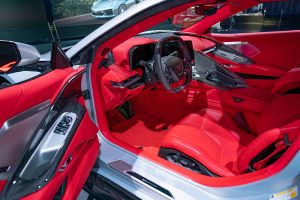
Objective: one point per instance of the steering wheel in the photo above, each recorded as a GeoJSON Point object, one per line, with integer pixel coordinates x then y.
{"type": "Point", "coordinates": [173, 69]}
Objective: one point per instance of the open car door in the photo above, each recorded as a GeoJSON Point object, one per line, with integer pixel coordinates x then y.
{"type": "Point", "coordinates": [48, 143]}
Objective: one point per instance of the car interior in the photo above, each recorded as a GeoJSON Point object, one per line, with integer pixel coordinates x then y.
{"type": "Point", "coordinates": [139, 109]}
{"type": "Point", "coordinates": [217, 107]}
{"type": "Point", "coordinates": [209, 105]}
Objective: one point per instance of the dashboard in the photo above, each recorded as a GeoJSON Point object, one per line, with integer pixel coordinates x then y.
{"type": "Point", "coordinates": [146, 52]}
{"type": "Point", "coordinates": [131, 70]}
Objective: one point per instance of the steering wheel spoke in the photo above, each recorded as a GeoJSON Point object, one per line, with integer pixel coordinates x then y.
{"type": "Point", "coordinates": [171, 68]}
{"type": "Point", "coordinates": [175, 53]}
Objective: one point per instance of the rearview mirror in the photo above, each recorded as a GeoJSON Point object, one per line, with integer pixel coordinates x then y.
{"type": "Point", "coordinates": [15, 54]}
{"type": "Point", "coordinates": [206, 10]}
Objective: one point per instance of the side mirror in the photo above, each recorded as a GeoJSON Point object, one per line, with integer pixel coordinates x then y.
{"type": "Point", "coordinates": [9, 56]}
{"type": "Point", "coordinates": [15, 54]}
{"type": "Point", "coordinates": [206, 10]}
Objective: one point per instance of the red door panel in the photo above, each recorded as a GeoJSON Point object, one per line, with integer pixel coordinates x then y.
{"type": "Point", "coordinates": [17, 105]}
{"type": "Point", "coordinates": [73, 147]}
{"type": "Point", "coordinates": [276, 49]}
{"type": "Point", "coordinates": [18, 98]}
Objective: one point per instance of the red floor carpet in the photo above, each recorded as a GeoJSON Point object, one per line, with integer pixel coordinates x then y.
{"type": "Point", "coordinates": [141, 131]}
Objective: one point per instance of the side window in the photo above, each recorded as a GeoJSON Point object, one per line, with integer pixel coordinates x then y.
{"type": "Point", "coordinates": [265, 17]}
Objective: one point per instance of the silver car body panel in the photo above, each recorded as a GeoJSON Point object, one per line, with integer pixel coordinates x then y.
{"type": "Point", "coordinates": [29, 54]}
{"type": "Point", "coordinates": [86, 86]}
{"type": "Point", "coordinates": [183, 188]}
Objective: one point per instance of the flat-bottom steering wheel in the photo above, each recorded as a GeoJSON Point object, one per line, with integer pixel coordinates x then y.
{"type": "Point", "coordinates": [175, 68]}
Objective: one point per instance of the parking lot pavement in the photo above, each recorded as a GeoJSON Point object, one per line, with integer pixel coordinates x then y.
{"type": "Point", "coordinates": [85, 19]}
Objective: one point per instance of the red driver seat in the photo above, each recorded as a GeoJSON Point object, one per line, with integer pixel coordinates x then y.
{"type": "Point", "coordinates": [213, 141]}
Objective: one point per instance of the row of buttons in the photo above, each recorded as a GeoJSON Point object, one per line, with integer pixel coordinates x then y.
{"type": "Point", "coordinates": [63, 126]}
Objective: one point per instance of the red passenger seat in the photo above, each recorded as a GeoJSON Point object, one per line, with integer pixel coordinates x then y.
{"type": "Point", "coordinates": [213, 140]}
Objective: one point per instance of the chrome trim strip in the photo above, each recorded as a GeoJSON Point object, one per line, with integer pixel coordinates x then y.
{"type": "Point", "coordinates": [209, 50]}
{"type": "Point", "coordinates": [126, 169]}
{"type": "Point", "coordinates": [90, 102]}
{"type": "Point", "coordinates": [235, 43]}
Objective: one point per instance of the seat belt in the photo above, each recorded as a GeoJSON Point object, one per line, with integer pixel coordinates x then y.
{"type": "Point", "coordinates": [280, 146]}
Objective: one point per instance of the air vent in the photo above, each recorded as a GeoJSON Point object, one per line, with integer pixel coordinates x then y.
{"type": "Point", "coordinates": [129, 83]}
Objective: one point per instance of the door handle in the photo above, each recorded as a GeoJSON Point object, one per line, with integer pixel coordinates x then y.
{"type": "Point", "coordinates": [65, 164]}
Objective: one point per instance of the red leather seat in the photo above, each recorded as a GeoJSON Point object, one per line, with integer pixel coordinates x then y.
{"type": "Point", "coordinates": [211, 137]}
{"type": "Point", "coordinates": [210, 120]}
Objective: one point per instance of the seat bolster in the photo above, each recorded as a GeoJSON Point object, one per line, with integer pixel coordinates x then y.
{"type": "Point", "coordinates": [261, 143]}
{"type": "Point", "coordinates": [290, 80]}
{"type": "Point", "coordinates": [194, 143]}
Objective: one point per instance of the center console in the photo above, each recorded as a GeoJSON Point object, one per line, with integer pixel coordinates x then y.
{"type": "Point", "coordinates": [211, 72]}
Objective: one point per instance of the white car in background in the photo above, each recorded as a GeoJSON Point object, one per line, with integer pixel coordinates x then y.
{"type": "Point", "coordinates": [111, 8]}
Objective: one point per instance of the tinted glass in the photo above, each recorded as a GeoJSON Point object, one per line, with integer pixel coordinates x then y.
{"type": "Point", "coordinates": [265, 17]}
